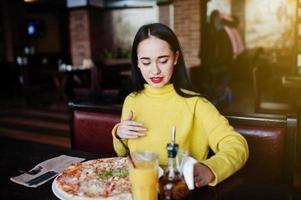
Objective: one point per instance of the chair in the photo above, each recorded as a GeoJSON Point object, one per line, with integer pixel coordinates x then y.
{"type": "Point", "coordinates": [270, 95]}
{"type": "Point", "coordinates": [272, 145]}
{"type": "Point", "coordinates": [91, 128]}
{"type": "Point", "coordinates": [94, 91]}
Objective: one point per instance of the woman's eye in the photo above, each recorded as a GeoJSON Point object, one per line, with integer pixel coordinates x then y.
{"type": "Point", "coordinates": [163, 61]}
{"type": "Point", "coordinates": [146, 63]}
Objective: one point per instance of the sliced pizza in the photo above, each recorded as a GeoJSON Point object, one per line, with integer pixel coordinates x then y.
{"type": "Point", "coordinates": [95, 179]}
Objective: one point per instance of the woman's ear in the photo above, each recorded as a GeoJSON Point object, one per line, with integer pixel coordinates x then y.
{"type": "Point", "coordinates": [176, 57]}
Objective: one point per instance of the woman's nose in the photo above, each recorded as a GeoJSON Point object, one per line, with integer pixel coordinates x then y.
{"type": "Point", "coordinates": [155, 69]}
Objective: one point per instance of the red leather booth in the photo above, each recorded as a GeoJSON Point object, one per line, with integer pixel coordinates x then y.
{"type": "Point", "coordinates": [271, 139]}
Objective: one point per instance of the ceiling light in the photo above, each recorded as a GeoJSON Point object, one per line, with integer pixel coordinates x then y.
{"type": "Point", "coordinates": [30, 1]}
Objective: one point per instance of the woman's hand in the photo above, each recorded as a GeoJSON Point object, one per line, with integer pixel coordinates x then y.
{"type": "Point", "coordinates": [202, 175]}
{"type": "Point", "coordinates": [129, 129]}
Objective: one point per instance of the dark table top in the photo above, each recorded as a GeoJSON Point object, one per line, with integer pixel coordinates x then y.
{"type": "Point", "coordinates": [17, 155]}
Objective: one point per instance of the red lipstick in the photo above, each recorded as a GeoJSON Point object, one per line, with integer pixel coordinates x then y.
{"type": "Point", "coordinates": [156, 79]}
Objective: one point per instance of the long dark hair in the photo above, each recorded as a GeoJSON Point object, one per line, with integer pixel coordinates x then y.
{"type": "Point", "coordinates": [179, 77]}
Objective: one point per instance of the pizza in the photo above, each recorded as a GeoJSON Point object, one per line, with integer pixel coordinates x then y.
{"type": "Point", "coordinates": [95, 179]}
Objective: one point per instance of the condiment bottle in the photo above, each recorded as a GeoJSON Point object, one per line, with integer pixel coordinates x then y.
{"type": "Point", "coordinates": [172, 185]}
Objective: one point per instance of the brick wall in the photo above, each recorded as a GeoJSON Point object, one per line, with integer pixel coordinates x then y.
{"type": "Point", "coordinates": [79, 36]}
{"type": "Point", "coordinates": [164, 14]}
{"type": "Point", "coordinates": [187, 25]}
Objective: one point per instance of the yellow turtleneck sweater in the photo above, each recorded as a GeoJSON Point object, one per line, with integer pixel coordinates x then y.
{"type": "Point", "coordinates": [199, 126]}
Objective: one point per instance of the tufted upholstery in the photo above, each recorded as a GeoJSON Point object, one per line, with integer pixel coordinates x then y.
{"type": "Point", "coordinates": [271, 139]}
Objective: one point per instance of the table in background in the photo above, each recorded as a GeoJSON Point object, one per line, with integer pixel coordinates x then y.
{"type": "Point", "coordinates": [65, 81]}
{"type": "Point", "coordinates": [111, 72]}
{"type": "Point", "coordinates": [24, 155]}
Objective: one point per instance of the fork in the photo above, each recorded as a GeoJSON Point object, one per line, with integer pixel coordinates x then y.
{"type": "Point", "coordinates": [31, 172]}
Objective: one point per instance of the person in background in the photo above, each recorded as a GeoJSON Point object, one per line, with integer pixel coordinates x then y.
{"type": "Point", "coordinates": [163, 98]}
{"type": "Point", "coordinates": [224, 45]}
{"type": "Point", "coordinates": [231, 24]}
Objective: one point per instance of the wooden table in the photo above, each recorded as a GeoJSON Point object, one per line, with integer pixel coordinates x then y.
{"type": "Point", "coordinates": [63, 80]}
{"type": "Point", "coordinates": [24, 155]}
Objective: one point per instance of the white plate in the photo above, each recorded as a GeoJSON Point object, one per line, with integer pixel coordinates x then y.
{"type": "Point", "coordinates": [57, 193]}
{"type": "Point", "coordinates": [67, 197]}
{"type": "Point", "coordinates": [63, 196]}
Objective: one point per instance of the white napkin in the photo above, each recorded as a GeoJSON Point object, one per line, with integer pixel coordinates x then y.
{"type": "Point", "coordinates": [55, 165]}
{"type": "Point", "coordinates": [187, 171]}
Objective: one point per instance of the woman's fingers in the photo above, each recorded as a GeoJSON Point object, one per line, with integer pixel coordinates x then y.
{"type": "Point", "coordinates": [132, 134]}
{"type": "Point", "coordinates": [131, 123]}
{"type": "Point", "coordinates": [202, 175]}
{"type": "Point", "coordinates": [132, 127]}
{"type": "Point", "coordinates": [130, 115]}
{"type": "Point", "coordinates": [136, 128]}
{"type": "Point", "coordinates": [199, 181]}
{"type": "Point", "coordinates": [130, 130]}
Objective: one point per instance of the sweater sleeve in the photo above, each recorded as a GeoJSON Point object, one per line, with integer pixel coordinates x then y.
{"type": "Point", "coordinates": [230, 148]}
{"type": "Point", "coordinates": [118, 147]}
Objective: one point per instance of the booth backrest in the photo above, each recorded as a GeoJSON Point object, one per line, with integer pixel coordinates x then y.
{"type": "Point", "coordinates": [272, 146]}
{"type": "Point", "coordinates": [91, 128]}
{"type": "Point", "coordinates": [271, 139]}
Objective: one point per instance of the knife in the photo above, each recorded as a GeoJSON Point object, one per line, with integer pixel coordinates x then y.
{"type": "Point", "coordinates": [42, 178]}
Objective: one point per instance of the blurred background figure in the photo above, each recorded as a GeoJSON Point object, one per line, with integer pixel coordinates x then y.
{"type": "Point", "coordinates": [231, 24]}
{"type": "Point", "coordinates": [224, 45]}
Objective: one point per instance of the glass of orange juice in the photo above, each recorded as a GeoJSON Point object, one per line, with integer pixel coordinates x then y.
{"type": "Point", "coordinates": [144, 176]}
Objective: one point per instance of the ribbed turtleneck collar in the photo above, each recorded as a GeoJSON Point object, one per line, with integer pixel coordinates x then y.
{"type": "Point", "coordinates": [166, 90]}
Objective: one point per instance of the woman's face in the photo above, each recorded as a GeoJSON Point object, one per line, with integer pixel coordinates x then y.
{"type": "Point", "coordinates": [156, 61]}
